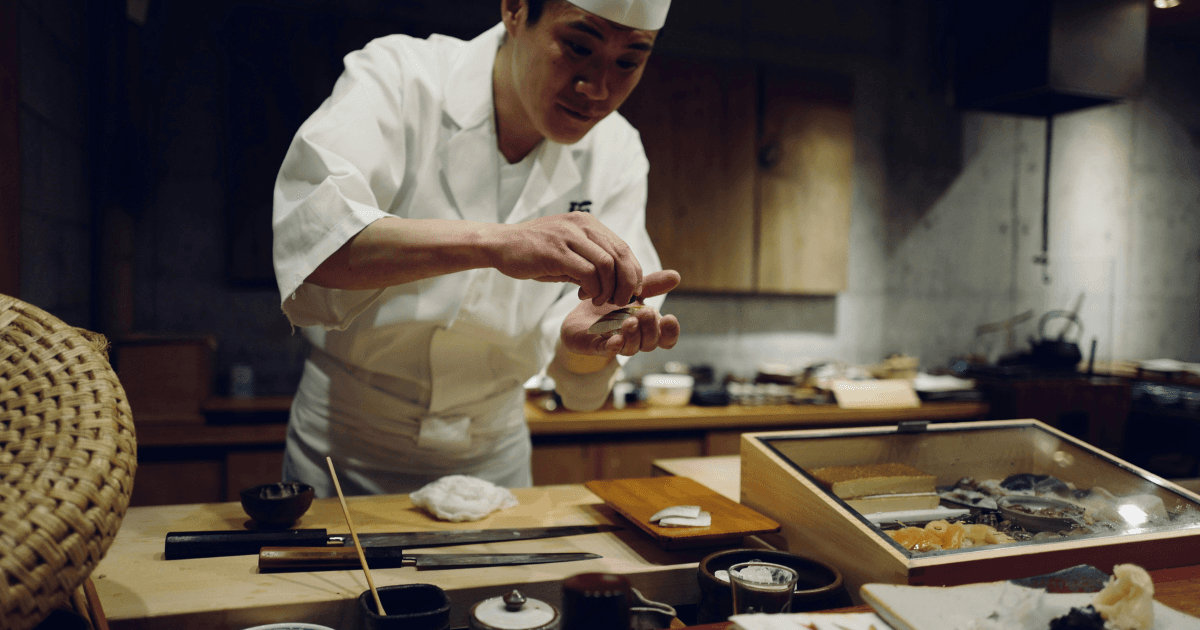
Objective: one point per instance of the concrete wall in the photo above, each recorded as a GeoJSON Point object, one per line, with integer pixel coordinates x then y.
{"type": "Point", "coordinates": [1124, 212]}
{"type": "Point", "coordinates": [56, 210]}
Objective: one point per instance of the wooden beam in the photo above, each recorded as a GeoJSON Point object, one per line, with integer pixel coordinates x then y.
{"type": "Point", "coordinates": [10, 153]}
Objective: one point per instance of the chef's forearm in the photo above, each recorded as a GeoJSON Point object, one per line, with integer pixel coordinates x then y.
{"type": "Point", "coordinates": [394, 251]}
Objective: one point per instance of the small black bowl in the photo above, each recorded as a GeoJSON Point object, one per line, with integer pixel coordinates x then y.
{"type": "Point", "coordinates": [408, 607]}
{"type": "Point", "coordinates": [820, 586]}
{"type": "Point", "coordinates": [277, 504]}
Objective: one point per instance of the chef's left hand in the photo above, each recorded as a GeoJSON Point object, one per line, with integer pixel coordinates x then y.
{"type": "Point", "coordinates": [641, 332]}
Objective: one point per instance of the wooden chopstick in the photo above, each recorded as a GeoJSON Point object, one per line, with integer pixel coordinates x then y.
{"type": "Point", "coordinates": [95, 610]}
{"type": "Point", "coordinates": [361, 557]}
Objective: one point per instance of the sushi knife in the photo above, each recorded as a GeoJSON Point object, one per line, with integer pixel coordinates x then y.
{"type": "Point", "coordinates": [213, 544]}
{"type": "Point", "coordinates": [276, 559]}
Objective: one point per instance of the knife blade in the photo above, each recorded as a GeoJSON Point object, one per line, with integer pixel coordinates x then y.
{"type": "Point", "coordinates": [278, 559]}
{"type": "Point", "coordinates": [213, 544]}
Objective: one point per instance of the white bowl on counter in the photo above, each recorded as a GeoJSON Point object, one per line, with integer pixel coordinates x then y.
{"type": "Point", "coordinates": [667, 390]}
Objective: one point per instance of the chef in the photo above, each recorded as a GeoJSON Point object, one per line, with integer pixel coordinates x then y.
{"type": "Point", "coordinates": [449, 223]}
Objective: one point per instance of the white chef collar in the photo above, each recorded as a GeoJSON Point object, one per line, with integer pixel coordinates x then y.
{"type": "Point", "coordinates": [648, 15]}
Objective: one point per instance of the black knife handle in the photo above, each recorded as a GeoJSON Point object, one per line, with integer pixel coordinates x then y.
{"type": "Point", "coordinates": [183, 545]}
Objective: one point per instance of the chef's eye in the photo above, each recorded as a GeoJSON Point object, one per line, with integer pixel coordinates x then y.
{"type": "Point", "coordinates": [627, 65]}
{"type": "Point", "coordinates": [577, 49]}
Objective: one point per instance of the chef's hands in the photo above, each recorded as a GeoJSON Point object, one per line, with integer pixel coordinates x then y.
{"type": "Point", "coordinates": [574, 247]}
{"type": "Point", "coordinates": [641, 332]}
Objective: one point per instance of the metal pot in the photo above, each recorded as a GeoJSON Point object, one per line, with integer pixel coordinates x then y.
{"type": "Point", "coordinates": [1058, 353]}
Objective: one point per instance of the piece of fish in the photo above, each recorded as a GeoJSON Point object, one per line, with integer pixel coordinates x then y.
{"type": "Point", "coordinates": [703, 520]}
{"type": "Point", "coordinates": [683, 511]}
{"type": "Point", "coordinates": [611, 321]}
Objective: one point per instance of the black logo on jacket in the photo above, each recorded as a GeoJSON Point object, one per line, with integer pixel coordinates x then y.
{"type": "Point", "coordinates": [581, 206]}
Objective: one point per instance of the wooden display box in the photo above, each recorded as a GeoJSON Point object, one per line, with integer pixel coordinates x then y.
{"type": "Point", "coordinates": [815, 523]}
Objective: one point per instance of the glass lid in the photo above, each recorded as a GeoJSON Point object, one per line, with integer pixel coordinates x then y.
{"type": "Point", "coordinates": [949, 489]}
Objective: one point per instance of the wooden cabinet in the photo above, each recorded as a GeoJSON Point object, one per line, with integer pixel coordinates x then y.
{"type": "Point", "coordinates": [697, 122]}
{"type": "Point", "coordinates": [806, 158]}
{"type": "Point", "coordinates": [750, 173]}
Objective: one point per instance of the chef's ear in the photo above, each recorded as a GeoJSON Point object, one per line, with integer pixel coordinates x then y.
{"type": "Point", "coordinates": [513, 13]}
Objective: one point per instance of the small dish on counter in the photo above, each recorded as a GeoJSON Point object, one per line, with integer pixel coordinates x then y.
{"type": "Point", "coordinates": [667, 390]}
{"type": "Point", "coordinates": [277, 505]}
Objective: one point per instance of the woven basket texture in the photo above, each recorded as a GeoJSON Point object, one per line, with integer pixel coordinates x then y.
{"type": "Point", "coordinates": [67, 459]}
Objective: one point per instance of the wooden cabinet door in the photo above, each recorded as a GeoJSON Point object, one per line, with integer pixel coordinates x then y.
{"type": "Point", "coordinates": [806, 161]}
{"type": "Point", "coordinates": [697, 122]}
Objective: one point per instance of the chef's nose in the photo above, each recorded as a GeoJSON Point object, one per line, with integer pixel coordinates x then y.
{"type": "Point", "coordinates": [593, 84]}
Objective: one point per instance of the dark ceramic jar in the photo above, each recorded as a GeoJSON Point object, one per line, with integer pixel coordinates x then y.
{"type": "Point", "coordinates": [408, 607]}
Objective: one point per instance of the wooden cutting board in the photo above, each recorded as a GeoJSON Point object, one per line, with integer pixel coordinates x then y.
{"type": "Point", "coordinates": [639, 499]}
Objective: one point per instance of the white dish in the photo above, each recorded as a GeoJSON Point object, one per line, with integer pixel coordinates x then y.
{"type": "Point", "coordinates": [959, 607]}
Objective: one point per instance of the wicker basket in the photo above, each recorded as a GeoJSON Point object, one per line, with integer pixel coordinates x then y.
{"type": "Point", "coordinates": [67, 461]}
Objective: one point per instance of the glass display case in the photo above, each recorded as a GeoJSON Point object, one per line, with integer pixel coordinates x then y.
{"type": "Point", "coordinates": [958, 503]}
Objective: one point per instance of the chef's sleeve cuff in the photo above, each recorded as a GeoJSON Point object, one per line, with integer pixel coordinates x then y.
{"type": "Point", "coordinates": [582, 392]}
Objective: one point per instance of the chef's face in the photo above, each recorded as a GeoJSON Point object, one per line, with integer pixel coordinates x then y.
{"type": "Point", "coordinates": [572, 68]}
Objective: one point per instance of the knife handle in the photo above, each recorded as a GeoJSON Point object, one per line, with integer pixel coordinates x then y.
{"type": "Point", "coordinates": [273, 559]}
{"type": "Point", "coordinates": [182, 545]}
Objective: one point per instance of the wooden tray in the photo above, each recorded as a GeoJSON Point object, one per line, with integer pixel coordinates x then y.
{"type": "Point", "coordinates": [638, 500]}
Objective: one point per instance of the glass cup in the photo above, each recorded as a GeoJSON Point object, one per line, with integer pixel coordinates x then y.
{"type": "Point", "coordinates": [761, 587]}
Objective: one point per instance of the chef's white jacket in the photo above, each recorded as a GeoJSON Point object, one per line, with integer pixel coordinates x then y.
{"type": "Point", "coordinates": [412, 382]}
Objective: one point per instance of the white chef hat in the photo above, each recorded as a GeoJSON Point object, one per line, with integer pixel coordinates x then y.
{"type": "Point", "coordinates": [647, 15]}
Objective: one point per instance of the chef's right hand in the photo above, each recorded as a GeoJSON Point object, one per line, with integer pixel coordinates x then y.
{"type": "Point", "coordinates": [574, 247]}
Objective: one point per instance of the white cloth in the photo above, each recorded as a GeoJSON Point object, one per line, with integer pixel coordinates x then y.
{"type": "Point", "coordinates": [460, 498]}
{"type": "Point", "coordinates": [807, 621]}
{"type": "Point", "coordinates": [408, 132]}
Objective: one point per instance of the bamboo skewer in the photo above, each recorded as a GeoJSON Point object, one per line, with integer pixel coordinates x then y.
{"type": "Point", "coordinates": [361, 558]}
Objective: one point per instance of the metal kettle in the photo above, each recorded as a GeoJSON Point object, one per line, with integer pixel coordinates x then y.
{"type": "Point", "coordinates": [1057, 353]}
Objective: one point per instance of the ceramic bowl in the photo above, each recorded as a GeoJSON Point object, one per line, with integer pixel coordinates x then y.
{"type": "Point", "coordinates": [667, 390]}
{"type": "Point", "coordinates": [277, 504]}
{"type": "Point", "coordinates": [1040, 514]}
{"type": "Point", "coordinates": [819, 586]}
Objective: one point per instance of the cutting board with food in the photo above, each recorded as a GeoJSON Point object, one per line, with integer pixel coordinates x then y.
{"type": "Point", "coordinates": [681, 513]}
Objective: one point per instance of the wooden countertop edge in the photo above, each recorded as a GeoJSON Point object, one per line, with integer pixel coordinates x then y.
{"type": "Point", "coordinates": [165, 433]}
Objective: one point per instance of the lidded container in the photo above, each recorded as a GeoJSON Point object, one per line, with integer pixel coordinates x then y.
{"type": "Point", "coordinates": [514, 611]}
{"type": "Point", "coordinates": [1128, 514]}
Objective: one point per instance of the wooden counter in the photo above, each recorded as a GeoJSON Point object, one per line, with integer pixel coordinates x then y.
{"type": "Point", "coordinates": [575, 446]}
{"type": "Point", "coordinates": [139, 589]}
{"type": "Point", "coordinates": [641, 417]}
{"type": "Point", "coordinates": [241, 443]}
